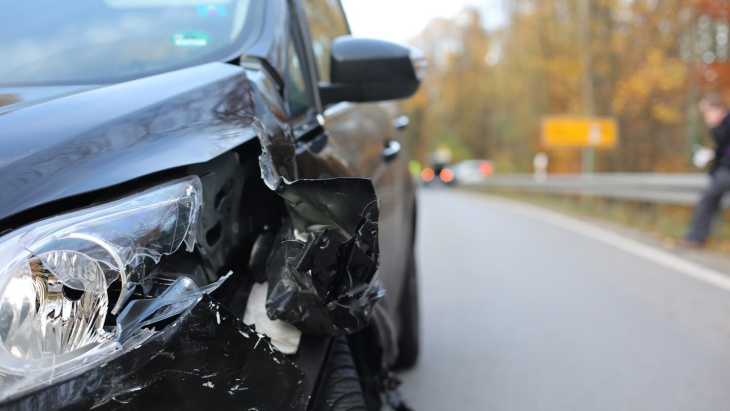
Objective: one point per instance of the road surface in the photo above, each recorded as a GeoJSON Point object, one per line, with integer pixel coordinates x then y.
{"type": "Point", "coordinates": [525, 309]}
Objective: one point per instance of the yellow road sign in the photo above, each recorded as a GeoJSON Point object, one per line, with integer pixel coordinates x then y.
{"type": "Point", "coordinates": [579, 132]}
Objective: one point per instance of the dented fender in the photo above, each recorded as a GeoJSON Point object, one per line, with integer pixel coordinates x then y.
{"type": "Point", "coordinates": [323, 274]}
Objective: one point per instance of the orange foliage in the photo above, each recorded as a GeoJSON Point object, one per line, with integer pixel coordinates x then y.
{"type": "Point", "coordinates": [487, 90]}
{"type": "Point", "coordinates": [718, 9]}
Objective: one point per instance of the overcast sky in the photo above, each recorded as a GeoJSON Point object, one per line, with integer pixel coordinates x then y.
{"type": "Point", "coordinates": [399, 20]}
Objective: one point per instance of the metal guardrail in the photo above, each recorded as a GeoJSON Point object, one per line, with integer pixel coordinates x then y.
{"type": "Point", "coordinates": [681, 189]}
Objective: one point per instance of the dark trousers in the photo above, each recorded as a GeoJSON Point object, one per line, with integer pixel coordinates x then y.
{"type": "Point", "coordinates": [708, 205]}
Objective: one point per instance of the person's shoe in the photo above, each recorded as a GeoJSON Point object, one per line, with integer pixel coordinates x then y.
{"type": "Point", "coordinates": [690, 244]}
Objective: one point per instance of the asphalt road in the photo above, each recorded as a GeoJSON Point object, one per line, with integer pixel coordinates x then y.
{"type": "Point", "coordinates": [526, 310]}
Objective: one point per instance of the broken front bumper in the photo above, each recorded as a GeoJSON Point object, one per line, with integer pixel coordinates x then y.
{"type": "Point", "coordinates": [206, 358]}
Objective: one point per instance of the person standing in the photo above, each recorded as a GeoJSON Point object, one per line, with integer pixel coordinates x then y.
{"type": "Point", "coordinates": [717, 118]}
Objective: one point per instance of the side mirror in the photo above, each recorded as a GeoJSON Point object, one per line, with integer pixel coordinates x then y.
{"type": "Point", "coordinates": [365, 70]}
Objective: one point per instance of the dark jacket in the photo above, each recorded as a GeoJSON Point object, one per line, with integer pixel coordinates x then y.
{"type": "Point", "coordinates": [721, 136]}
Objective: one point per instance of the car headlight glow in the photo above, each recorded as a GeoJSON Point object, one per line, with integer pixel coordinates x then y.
{"type": "Point", "coordinates": [55, 274]}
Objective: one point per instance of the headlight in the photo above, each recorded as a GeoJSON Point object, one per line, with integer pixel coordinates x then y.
{"type": "Point", "coordinates": [55, 274]}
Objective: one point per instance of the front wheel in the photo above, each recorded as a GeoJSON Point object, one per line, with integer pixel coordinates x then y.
{"type": "Point", "coordinates": [341, 388]}
{"type": "Point", "coordinates": [408, 343]}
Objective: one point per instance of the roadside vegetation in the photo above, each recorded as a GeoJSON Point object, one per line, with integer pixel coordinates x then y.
{"type": "Point", "coordinates": [644, 63]}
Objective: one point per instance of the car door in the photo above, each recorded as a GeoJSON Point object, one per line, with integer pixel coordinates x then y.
{"type": "Point", "coordinates": [361, 140]}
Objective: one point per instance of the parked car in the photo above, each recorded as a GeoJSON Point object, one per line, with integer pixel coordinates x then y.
{"type": "Point", "coordinates": [193, 200]}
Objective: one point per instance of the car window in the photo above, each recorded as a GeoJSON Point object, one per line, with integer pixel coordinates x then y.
{"type": "Point", "coordinates": [296, 86]}
{"type": "Point", "coordinates": [94, 41]}
{"type": "Point", "coordinates": [326, 22]}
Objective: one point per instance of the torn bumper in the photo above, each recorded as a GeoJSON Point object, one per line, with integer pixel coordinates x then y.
{"type": "Point", "coordinates": [179, 348]}
{"type": "Point", "coordinates": [206, 358]}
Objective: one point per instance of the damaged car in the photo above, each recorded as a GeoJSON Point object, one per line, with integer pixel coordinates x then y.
{"type": "Point", "coordinates": [203, 204]}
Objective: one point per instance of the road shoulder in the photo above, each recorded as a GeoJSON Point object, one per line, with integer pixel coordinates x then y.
{"type": "Point", "coordinates": [711, 259]}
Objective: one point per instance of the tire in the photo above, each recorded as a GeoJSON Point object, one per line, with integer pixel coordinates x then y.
{"type": "Point", "coordinates": [409, 341]}
{"type": "Point", "coordinates": [341, 388]}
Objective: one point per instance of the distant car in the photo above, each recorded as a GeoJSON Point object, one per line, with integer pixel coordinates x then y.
{"type": "Point", "coordinates": [173, 174]}
{"type": "Point", "coordinates": [472, 171]}
{"type": "Point", "coordinates": [438, 174]}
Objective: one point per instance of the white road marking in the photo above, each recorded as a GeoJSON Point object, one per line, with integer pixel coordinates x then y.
{"type": "Point", "coordinates": [663, 258]}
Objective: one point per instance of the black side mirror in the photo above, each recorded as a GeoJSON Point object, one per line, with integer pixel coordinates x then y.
{"type": "Point", "coordinates": [371, 70]}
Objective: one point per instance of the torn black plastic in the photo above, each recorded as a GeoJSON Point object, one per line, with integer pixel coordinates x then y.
{"type": "Point", "coordinates": [206, 359]}
{"type": "Point", "coordinates": [326, 283]}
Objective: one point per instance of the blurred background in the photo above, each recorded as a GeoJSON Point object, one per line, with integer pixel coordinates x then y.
{"type": "Point", "coordinates": [569, 86]}
{"type": "Point", "coordinates": [498, 67]}
{"type": "Point", "coordinates": [559, 146]}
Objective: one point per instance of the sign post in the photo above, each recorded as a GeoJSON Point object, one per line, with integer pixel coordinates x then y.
{"type": "Point", "coordinates": [587, 133]}
{"type": "Point", "coordinates": [579, 132]}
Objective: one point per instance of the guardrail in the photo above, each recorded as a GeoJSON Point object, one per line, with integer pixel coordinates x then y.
{"type": "Point", "coordinates": [681, 189]}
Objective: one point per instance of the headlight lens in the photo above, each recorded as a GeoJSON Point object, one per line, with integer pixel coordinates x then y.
{"type": "Point", "coordinates": [54, 276]}
{"type": "Point", "coordinates": [41, 316]}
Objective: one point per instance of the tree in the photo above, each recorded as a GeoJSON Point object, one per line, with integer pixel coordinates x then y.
{"type": "Point", "coordinates": [649, 62]}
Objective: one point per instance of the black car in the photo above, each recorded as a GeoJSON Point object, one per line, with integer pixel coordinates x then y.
{"type": "Point", "coordinates": [193, 202]}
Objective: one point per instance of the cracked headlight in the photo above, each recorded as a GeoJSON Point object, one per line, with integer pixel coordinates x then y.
{"type": "Point", "coordinates": [55, 276]}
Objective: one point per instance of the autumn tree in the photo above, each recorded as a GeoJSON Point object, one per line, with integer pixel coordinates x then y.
{"type": "Point", "coordinates": [649, 62]}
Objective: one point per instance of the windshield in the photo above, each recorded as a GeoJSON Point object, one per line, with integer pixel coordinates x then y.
{"type": "Point", "coordinates": [104, 41]}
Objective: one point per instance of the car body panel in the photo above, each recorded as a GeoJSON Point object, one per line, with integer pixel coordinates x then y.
{"type": "Point", "coordinates": [211, 120]}
{"type": "Point", "coordinates": [98, 138]}
{"type": "Point", "coordinates": [14, 98]}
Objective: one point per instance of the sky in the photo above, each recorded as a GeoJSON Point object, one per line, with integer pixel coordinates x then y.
{"type": "Point", "coordinates": [399, 20]}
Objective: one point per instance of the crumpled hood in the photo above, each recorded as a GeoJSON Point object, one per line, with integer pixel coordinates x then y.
{"type": "Point", "coordinates": [59, 142]}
